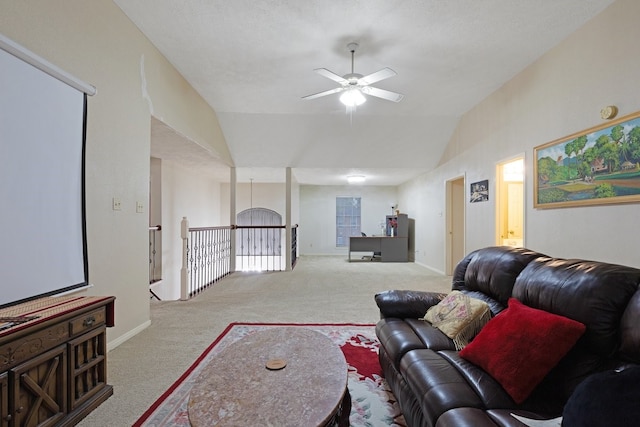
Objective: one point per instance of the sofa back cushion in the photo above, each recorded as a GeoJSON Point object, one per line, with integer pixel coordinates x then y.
{"type": "Point", "coordinates": [593, 293]}
{"type": "Point", "coordinates": [630, 332]}
{"type": "Point", "coordinates": [490, 273]}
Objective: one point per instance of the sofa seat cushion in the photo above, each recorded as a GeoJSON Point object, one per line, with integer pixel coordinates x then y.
{"type": "Point", "coordinates": [490, 392]}
{"type": "Point", "coordinates": [399, 336]}
{"type": "Point", "coordinates": [465, 417]}
{"type": "Point", "coordinates": [411, 409]}
{"type": "Point", "coordinates": [521, 345]}
{"type": "Point", "coordinates": [503, 418]}
{"type": "Point", "coordinates": [436, 384]}
{"type": "Point", "coordinates": [430, 336]}
{"type": "Point", "coordinates": [474, 417]}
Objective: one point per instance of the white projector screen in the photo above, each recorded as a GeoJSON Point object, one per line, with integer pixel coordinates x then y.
{"type": "Point", "coordinates": [42, 221]}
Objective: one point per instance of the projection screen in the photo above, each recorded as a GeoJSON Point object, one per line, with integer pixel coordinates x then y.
{"type": "Point", "coordinates": [42, 216]}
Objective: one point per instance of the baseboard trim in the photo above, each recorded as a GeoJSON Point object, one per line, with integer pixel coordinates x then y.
{"type": "Point", "coordinates": [122, 338]}
{"type": "Point", "coordinates": [429, 268]}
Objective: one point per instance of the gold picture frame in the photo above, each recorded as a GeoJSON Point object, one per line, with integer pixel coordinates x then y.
{"type": "Point", "coordinates": [600, 165]}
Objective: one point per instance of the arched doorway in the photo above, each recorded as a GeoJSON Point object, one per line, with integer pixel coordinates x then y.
{"type": "Point", "coordinates": [258, 243]}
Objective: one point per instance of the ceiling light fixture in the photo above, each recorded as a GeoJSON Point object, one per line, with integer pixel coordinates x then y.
{"type": "Point", "coordinates": [355, 179]}
{"type": "Point", "coordinates": [354, 86]}
{"type": "Point", "coordinates": [352, 98]}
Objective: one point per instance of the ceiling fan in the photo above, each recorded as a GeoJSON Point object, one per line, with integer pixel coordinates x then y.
{"type": "Point", "coordinates": [354, 85]}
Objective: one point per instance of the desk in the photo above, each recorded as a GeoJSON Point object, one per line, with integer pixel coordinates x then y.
{"type": "Point", "coordinates": [392, 249]}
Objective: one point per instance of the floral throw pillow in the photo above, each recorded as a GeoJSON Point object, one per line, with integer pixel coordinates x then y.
{"type": "Point", "coordinates": [459, 317]}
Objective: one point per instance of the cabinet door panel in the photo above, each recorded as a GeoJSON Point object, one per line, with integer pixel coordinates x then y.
{"type": "Point", "coordinates": [39, 389]}
{"type": "Point", "coordinates": [88, 366]}
{"type": "Point", "coordinates": [4, 400]}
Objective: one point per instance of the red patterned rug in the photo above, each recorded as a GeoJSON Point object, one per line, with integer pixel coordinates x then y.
{"type": "Point", "coordinates": [372, 403]}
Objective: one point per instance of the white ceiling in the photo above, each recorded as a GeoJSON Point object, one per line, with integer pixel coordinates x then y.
{"type": "Point", "coordinates": [253, 61]}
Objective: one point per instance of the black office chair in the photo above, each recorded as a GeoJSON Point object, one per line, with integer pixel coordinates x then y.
{"type": "Point", "coordinates": [375, 254]}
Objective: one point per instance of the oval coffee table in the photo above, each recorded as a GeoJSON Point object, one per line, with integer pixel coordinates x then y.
{"type": "Point", "coordinates": [237, 389]}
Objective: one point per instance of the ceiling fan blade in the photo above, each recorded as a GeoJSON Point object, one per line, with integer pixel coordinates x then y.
{"type": "Point", "coordinates": [331, 75]}
{"type": "Point", "coordinates": [381, 93]}
{"type": "Point", "coordinates": [385, 73]}
{"type": "Point", "coordinates": [326, 92]}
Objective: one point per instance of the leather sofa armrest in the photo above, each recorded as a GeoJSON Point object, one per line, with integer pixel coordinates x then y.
{"type": "Point", "coordinates": [406, 304]}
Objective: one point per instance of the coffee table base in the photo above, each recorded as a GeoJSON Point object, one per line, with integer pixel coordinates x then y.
{"type": "Point", "coordinates": [341, 417]}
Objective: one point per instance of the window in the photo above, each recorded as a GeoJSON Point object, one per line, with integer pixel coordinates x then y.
{"type": "Point", "coordinates": [347, 219]}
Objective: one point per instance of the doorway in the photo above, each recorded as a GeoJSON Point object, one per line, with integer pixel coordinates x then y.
{"type": "Point", "coordinates": [455, 221]}
{"type": "Point", "coordinates": [510, 203]}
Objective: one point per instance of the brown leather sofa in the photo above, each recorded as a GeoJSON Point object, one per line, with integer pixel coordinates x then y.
{"type": "Point", "coordinates": [436, 387]}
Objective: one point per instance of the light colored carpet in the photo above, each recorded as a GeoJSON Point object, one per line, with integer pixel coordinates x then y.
{"type": "Point", "coordinates": [321, 289]}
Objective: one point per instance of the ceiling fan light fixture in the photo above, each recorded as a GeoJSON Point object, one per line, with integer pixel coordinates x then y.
{"type": "Point", "coordinates": [354, 86]}
{"type": "Point", "coordinates": [352, 97]}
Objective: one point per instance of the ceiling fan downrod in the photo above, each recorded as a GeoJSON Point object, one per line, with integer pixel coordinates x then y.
{"type": "Point", "coordinates": [352, 47]}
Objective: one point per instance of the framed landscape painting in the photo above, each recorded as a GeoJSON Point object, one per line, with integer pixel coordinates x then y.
{"type": "Point", "coordinates": [600, 165]}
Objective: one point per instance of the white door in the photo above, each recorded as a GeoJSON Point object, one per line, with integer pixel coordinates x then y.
{"type": "Point", "coordinates": [455, 223]}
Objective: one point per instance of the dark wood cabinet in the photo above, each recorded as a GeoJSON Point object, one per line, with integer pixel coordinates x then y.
{"type": "Point", "coordinates": [54, 366]}
{"type": "Point", "coordinates": [4, 399]}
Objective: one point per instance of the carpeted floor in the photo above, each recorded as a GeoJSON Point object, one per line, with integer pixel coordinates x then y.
{"type": "Point", "coordinates": [372, 403]}
{"type": "Point", "coordinates": [321, 289]}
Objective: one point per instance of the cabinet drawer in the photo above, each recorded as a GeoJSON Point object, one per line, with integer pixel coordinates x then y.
{"type": "Point", "coordinates": [22, 349]}
{"type": "Point", "coordinates": [87, 321]}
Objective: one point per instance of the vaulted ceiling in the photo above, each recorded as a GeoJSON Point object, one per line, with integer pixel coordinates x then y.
{"type": "Point", "coordinates": [253, 61]}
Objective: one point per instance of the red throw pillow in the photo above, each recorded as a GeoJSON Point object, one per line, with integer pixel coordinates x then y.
{"type": "Point", "coordinates": [521, 345]}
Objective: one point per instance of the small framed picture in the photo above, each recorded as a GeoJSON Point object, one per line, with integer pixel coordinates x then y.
{"type": "Point", "coordinates": [479, 191]}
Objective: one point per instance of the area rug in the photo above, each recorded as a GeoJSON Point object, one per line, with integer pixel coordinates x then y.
{"type": "Point", "coordinates": [372, 403]}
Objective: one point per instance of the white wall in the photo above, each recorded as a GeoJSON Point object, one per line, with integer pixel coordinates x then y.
{"type": "Point", "coordinates": [317, 233]}
{"type": "Point", "coordinates": [257, 195]}
{"type": "Point", "coordinates": [184, 194]}
{"type": "Point", "coordinates": [561, 93]}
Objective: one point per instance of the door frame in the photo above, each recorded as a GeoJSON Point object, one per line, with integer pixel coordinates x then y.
{"type": "Point", "coordinates": [452, 227]}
